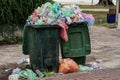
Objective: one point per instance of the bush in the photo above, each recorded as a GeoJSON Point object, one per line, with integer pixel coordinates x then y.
{"type": "Point", "coordinates": [14, 13]}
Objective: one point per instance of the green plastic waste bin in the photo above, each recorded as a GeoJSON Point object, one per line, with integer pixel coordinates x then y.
{"type": "Point", "coordinates": [78, 45]}
{"type": "Point", "coordinates": [42, 44]}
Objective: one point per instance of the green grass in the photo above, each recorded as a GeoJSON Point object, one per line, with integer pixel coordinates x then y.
{"type": "Point", "coordinates": [96, 7]}
{"type": "Point", "coordinates": [101, 19]}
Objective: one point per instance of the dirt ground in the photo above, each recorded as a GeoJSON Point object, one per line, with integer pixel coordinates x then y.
{"type": "Point", "coordinates": [105, 45]}
{"type": "Point", "coordinates": [107, 74]}
{"type": "Point", "coordinates": [11, 54]}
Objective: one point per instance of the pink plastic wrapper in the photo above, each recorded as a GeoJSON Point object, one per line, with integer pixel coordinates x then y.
{"type": "Point", "coordinates": [88, 17]}
{"type": "Point", "coordinates": [63, 32]}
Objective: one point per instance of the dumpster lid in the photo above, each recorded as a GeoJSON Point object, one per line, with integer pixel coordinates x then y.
{"type": "Point", "coordinates": [55, 26]}
{"type": "Point", "coordinates": [42, 26]}
{"type": "Point", "coordinates": [78, 23]}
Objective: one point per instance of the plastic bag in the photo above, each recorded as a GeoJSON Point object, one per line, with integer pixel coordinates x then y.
{"type": "Point", "coordinates": [84, 68]}
{"type": "Point", "coordinates": [16, 71]}
{"type": "Point", "coordinates": [68, 66]}
{"type": "Point", "coordinates": [27, 73]}
{"type": "Point", "coordinates": [68, 13]}
{"type": "Point", "coordinates": [13, 77]}
{"type": "Point", "coordinates": [89, 18]}
{"type": "Point", "coordinates": [56, 7]}
{"type": "Point", "coordinates": [39, 22]}
{"type": "Point", "coordinates": [63, 32]}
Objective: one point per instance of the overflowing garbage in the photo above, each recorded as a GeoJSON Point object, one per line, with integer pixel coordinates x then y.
{"type": "Point", "coordinates": [61, 15]}
{"type": "Point", "coordinates": [23, 72]}
{"type": "Point", "coordinates": [55, 13]}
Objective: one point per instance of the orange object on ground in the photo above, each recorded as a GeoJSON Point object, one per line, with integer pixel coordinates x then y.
{"type": "Point", "coordinates": [68, 66]}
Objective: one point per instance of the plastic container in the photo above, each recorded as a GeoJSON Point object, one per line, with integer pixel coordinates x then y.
{"type": "Point", "coordinates": [78, 45]}
{"type": "Point", "coordinates": [42, 44]}
{"type": "Point", "coordinates": [111, 18]}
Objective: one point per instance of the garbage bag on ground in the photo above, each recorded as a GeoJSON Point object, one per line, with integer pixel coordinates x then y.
{"type": "Point", "coordinates": [28, 74]}
{"type": "Point", "coordinates": [84, 68]}
{"type": "Point", "coordinates": [68, 66]}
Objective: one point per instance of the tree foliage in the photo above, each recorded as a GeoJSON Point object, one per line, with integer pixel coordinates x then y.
{"type": "Point", "coordinates": [14, 13]}
{"type": "Point", "coordinates": [105, 2]}
{"type": "Point", "coordinates": [17, 11]}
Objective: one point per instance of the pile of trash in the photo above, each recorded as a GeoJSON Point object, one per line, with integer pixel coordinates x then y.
{"type": "Point", "coordinates": [67, 65]}
{"type": "Point", "coordinates": [22, 72]}
{"type": "Point", "coordinates": [25, 72]}
{"type": "Point", "coordinates": [54, 14]}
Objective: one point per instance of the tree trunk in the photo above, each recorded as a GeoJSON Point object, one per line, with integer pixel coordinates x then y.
{"type": "Point", "coordinates": [92, 2]}
{"type": "Point", "coordinates": [105, 2]}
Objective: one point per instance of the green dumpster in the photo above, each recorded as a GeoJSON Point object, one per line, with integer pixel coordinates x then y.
{"type": "Point", "coordinates": [42, 45]}
{"type": "Point", "coordinates": [78, 45]}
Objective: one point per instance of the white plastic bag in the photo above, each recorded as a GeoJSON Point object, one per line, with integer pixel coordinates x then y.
{"type": "Point", "coordinates": [13, 77]}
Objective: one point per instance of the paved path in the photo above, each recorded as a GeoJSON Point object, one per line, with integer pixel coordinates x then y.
{"type": "Point", "coordinates": [102, 10]}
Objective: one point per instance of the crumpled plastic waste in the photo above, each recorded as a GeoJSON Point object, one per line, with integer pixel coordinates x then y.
{"type": "Point", "coordinates": [22, 72]}
{"type": "Point", "coordinates": [88, 18]}
{"type": "Point", "coordinates": [24, 63]}
{"type": "Point", "coordinates": [39, 73]}
{"type": "Point", "coordinates": [10, 69]}
{"type": "Point", "coordinates": [24, 60]}
{"type": "Point", "coordinates": [39, 22]}
{"type": "Point", "coordinates": [28, 74]}
{"type": "Point", "coordinates": [16, 71]}
{"type": "Point", "coordinates": [13, 77]}
{"type": "Point", "coordinates": [67, 11]}
{"type": "Point", "coordinates": [84, 68]}
{"type": "Point", "coordinates": [54, 14]}
{"type": "Point", "coordinates": [94, 66]}
{"type": "Point", "coordinates": [44, 74]}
